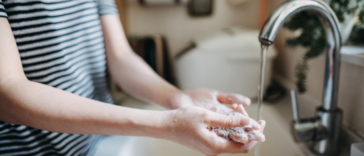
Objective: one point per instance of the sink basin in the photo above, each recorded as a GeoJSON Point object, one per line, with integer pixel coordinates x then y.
{"type": "Point", "coordinates": [278, 140]}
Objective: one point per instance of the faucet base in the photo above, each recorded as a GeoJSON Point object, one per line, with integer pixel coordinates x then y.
{"type": "Point", "coordinates": [327, 139]}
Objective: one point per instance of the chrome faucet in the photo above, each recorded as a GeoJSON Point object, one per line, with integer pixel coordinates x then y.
{"type": "Point", "coordinates": [321, 132]}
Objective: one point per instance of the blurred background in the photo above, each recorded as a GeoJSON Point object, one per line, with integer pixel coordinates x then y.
{"type": "Point", "coordinates": [163, 31]}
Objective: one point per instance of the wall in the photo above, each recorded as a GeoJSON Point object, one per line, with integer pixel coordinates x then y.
{"type": "Point", "coordinates": [351, 86]}
{"type": "Point", "coordinates": [180, 29]}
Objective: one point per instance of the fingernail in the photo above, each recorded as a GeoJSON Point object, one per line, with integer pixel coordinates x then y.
{"type": "Point", "coordinates": [262, 138]}
{"type": "Point", "coordinates": [234, 106]}
{"type": "Point", "coordinates": [256, 126]}
{"type": "Point", "coordinates": [242, 99]}
{"type": "Point", "coordinates": [244, 111]}
{"type": "Point", "coordinates": [245, 121]}
{"type": "Point", "coordinates": [214, 109]}
{"type": "Point", "coordinates": [247, 101]}
{"type": "Point", "coordinates": [263, 124]}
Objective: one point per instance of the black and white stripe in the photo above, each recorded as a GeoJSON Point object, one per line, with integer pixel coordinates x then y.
{"type": "Point", "coordinates": [61, 45]}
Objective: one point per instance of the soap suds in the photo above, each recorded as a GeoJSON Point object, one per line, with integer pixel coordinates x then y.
{"type": "Point", "coordinates": [209, 99]}
{"type": "Point", "coordinates": [238, 134]}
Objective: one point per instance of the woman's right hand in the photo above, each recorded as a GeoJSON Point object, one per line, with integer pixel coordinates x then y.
{"type": "Point", "coordinates": [191, 126]}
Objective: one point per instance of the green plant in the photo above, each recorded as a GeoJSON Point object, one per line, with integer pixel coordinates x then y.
{"type": "Point", "coordinates": [313, 37]}
{"type": "Point", "coordinates": [357, 35]}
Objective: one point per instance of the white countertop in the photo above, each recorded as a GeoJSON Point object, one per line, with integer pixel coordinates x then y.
{"type": "Point", "coordinates": [353, 55]}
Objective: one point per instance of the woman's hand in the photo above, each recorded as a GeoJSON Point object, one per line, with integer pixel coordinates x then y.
{"type": "Point", "coordinates": [191, 126]}
{"type": "Point", "coordinates": [209, 99]}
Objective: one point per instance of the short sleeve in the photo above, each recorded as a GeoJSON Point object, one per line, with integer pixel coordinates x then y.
{"type": "Point", "coordinates": [106, 7]}
{"type": "Point", "coordinates": [2, 10]}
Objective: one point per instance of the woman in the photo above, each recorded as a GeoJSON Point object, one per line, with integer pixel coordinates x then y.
{"type": "Point", "coordinates": [54, 56]}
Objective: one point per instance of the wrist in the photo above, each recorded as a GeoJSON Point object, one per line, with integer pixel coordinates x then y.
{"type": "Point", "coordinates": [163, 125]}
{"type": "Point", "coordinates": [147, 123]}
{"type": "Point", "coordinates": [179, 99]}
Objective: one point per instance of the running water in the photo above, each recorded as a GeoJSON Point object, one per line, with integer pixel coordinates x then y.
{"type": "Point", "coordinates": [263, 53]}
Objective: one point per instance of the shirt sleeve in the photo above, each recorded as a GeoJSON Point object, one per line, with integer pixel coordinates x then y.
{"type": "Point", "coordinates": [2, 10]}
{"type": "Point", "coordinates": [106, 7]}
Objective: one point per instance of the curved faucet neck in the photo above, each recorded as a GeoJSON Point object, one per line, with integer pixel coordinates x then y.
{"type": "Point", "coordinates": [331, 26]}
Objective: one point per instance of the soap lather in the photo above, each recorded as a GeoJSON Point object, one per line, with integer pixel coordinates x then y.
{"type": "Point", "coordinates": [238, 134]}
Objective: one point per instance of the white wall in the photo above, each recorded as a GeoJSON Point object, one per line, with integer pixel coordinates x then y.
{"type": "Point", "coordinates": [179, 28]}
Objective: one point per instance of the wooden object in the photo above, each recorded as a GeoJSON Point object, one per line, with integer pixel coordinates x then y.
{"type": "Point", "coordinates": [121, 5]}
{"type": "Point", "coordinates": [263, 12]}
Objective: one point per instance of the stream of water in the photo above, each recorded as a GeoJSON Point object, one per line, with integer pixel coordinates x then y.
{"type": "Point", "coordinates": [263, 55]}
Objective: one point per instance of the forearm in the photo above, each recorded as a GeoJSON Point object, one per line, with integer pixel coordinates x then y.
{"type": "Point", "coordinates": [137, 79]}
{"type": "Point", "coordinates": [131, 72]}
{"type": "Point", "coordinates": [43, 107]}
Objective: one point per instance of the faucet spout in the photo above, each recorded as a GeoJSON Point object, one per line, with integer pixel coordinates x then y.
{"type": "Point", "coordinates": [331, 26]}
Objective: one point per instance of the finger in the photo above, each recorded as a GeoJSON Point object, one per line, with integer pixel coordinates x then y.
{"type": "Point", "coordinates": [241, 138]}
{"type": "Point", "coordinates": [256, 135]}
{"type": "Point", "coordinates": [253, 126]}
{"type": "Point", "coordinates": [214, 109]}
{"type": "Point", "coordinates": [245, 138]}
{"type": "Point", "coordinates": [234, 106]}
{"type": "Point", "coordinates": [221, 109]}
{"type": "Point", "coordinates": [241, 109]}
{"type": "Point", "coordinates": [228, 146]}
{"type": "Point", "coordinates": [234, 147]}
{"type": "Point", "coordinates": [233, 98]}
{"type": "Point", "coordinates": [250, 145]}
{"type": "Point", "coordinates": [221, 132]}
{"type": "Point", "coordinates": [224, 121]}
{"type": "Point", "coordinates": [262, 124]}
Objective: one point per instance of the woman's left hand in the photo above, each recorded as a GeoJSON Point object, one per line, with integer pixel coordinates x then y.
{"type": "Point", "coordinates": [209, 99]}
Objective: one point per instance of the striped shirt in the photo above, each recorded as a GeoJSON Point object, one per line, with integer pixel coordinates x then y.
{"type": "Point", "coordinates": [61, 45]}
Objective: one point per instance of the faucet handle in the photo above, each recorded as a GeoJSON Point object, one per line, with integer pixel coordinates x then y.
{"type": "Point", "coordinates": [294, 106]}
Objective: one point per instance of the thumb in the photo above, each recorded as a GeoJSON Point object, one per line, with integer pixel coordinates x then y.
{"type": "Point", "coordinates": [225, 121]}
{"type": "Point", "coordinates": [233, 98]}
